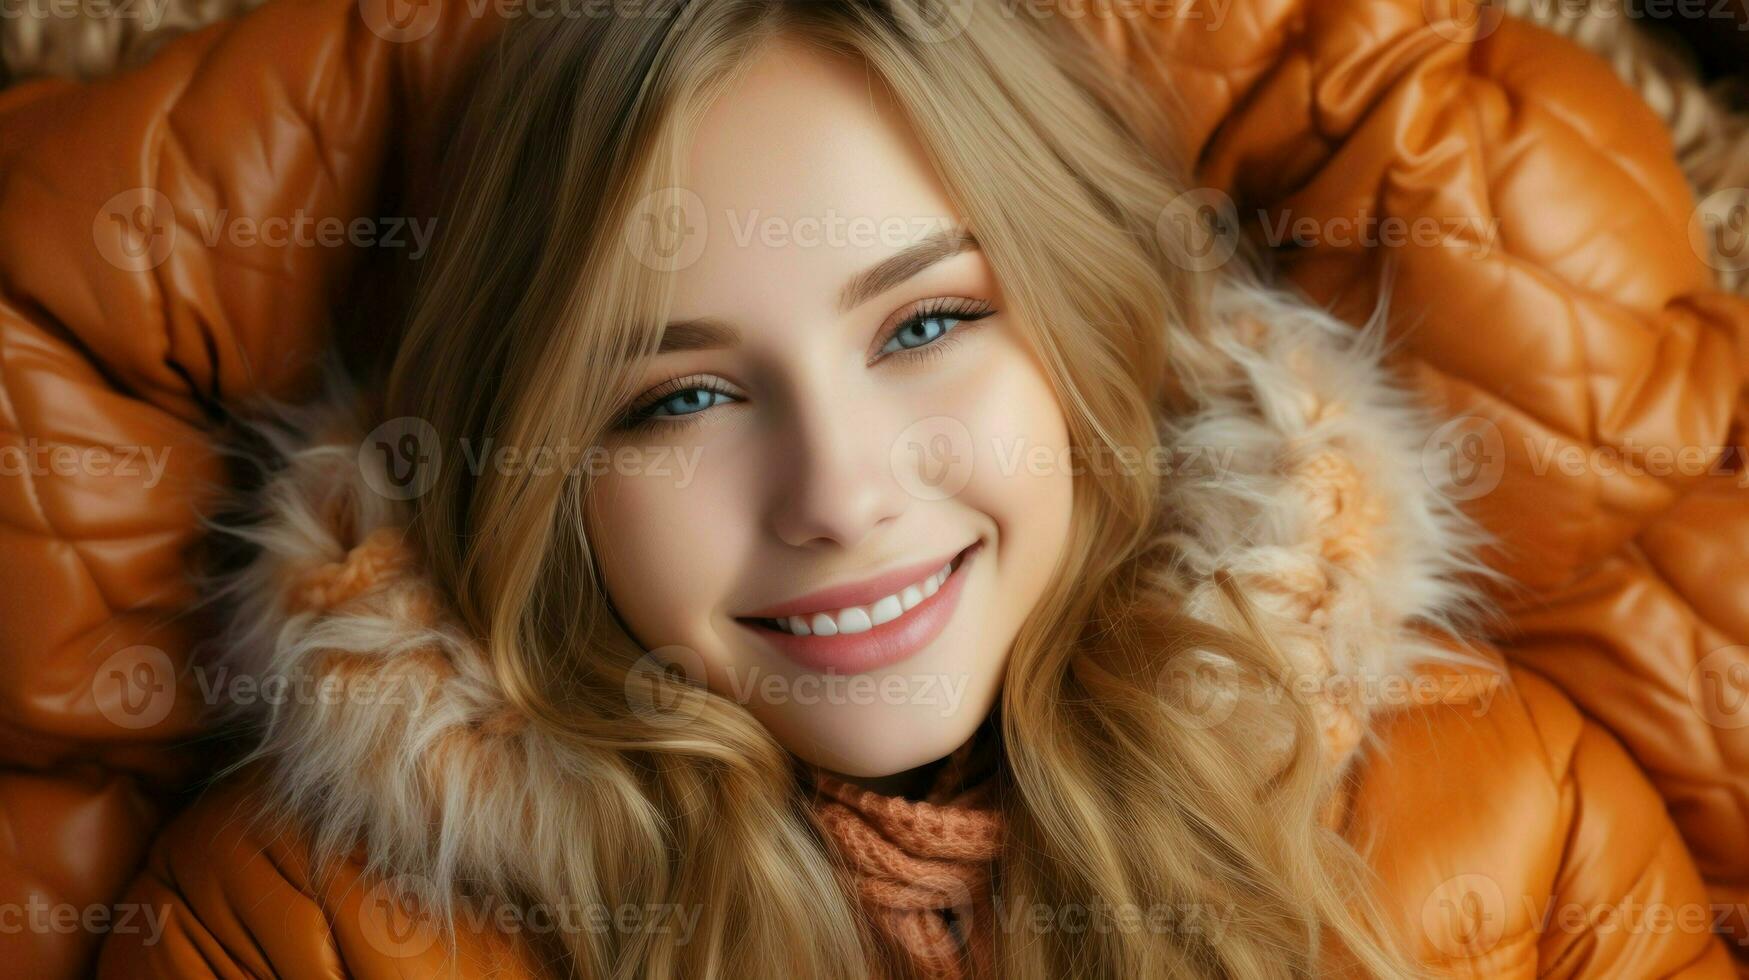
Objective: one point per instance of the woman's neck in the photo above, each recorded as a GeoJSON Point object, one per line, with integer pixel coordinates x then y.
{"type": "Point", "coordinates": [915, 784]}
{"type": "Point", "coordinates": [911, 784]}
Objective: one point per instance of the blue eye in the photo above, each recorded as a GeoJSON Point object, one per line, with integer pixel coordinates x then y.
{"type": "Point", "coordinates": [686, 402]}
{"type": "Point", "coordinates": [927, 326]}
{"type": "Point", "coordinates": [677, 401]}
{"type": "Point", "coordinates": [915, 333]}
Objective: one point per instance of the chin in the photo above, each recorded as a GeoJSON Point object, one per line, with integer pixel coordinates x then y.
{"type": "Point", "coordinates": [882, 740]}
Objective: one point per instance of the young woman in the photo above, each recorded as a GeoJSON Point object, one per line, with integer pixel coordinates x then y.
{"type": "Point", "coordinates": [829, 516]}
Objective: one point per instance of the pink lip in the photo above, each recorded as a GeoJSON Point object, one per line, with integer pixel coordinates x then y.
{"type": "Point", "coordinates": [854, 594]}
{"type": "Point", "coordinates": [888, 643]}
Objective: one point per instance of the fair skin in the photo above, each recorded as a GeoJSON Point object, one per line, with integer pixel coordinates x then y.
{"type": "Point", "coordinates": [840, 434]}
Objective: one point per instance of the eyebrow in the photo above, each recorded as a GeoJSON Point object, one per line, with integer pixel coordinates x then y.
{"type": "Point", "coordinates": [902, 265]}
{"type": "Point", "coordinates": [703, 333]}
{"type": "Point", "coordinates": [706, 333]}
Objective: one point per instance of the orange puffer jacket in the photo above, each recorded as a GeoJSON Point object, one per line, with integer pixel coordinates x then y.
{"type": "Point", "coordinates": [1589, 817]}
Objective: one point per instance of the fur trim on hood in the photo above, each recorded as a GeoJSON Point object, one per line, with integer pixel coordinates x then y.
{"type": "Point", "coordinates": [1319, 493]}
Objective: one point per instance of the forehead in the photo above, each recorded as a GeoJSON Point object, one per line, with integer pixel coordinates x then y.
{"type": "Point", "coordinates": [805, 166]}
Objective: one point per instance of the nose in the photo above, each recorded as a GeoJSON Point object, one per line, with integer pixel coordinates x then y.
{"type": "Point", "coordinates": [836, 485]}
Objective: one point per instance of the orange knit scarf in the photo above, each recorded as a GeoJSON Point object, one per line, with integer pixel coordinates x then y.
{"type": "Point", "coordinates": [923, 867]}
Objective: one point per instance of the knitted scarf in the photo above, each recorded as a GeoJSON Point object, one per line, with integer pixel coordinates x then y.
{"type": "Point", "coordinates": [923, 868]}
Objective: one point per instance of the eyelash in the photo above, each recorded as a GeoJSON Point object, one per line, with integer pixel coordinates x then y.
{"type": "Point", "coordinates": [961, 311]}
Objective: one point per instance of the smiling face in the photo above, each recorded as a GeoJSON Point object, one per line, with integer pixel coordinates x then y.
{"type": "Point", "coordinates": [850, 521]}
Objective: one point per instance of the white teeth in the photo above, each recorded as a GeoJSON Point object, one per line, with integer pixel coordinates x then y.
{"type": "Point", "coordinates": [886, 610]}
{"type": "Point", "coordinates": [854, 620]}
{"type": "Point", "coordinates": [859, 619]}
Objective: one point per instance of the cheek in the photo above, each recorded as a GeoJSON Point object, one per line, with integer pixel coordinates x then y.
{"type": "Point", "coordinates": [1022, 478]}
{"type": "Point", "coordinates": [665, 545]}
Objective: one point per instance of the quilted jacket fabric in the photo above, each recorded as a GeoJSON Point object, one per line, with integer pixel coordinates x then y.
{"type": "Point", "coordinates": [1564, 315]}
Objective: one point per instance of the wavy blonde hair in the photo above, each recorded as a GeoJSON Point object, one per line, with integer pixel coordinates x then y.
{"type": "Point", "coordinates": [527, 327]}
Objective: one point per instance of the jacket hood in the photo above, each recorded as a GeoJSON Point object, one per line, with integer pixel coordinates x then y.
{"type": "Point", "coordinates": [1320, 493]}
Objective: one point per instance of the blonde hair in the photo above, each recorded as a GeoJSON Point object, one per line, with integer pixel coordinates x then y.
{"type": "Point", "coordinates": [526, 328]}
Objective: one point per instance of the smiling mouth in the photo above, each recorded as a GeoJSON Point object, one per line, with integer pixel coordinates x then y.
{"type": "Point", "coordinates": [896, 608]}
